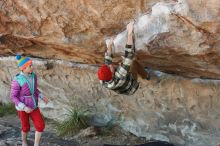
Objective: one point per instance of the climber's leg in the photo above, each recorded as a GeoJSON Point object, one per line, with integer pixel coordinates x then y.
{"type": "Point", "coordinates": [138, 69]}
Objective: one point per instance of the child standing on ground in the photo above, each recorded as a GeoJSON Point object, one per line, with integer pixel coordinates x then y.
{"type": "Point", "coordinates": [25, 94]}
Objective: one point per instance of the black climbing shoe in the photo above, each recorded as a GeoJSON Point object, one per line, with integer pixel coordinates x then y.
{"type": "Point", "coordinates": [149, 71]}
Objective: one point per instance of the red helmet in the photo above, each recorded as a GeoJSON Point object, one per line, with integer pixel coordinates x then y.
{"type": "Point", "coordinates": [104, 73]}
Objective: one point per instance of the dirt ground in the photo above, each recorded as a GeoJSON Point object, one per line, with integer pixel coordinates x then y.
{"type": "Point", "coordinates": [10, 136]}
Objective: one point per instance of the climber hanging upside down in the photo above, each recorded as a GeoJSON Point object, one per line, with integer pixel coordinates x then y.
{"type": "Point", "coordinates": [123, 79]}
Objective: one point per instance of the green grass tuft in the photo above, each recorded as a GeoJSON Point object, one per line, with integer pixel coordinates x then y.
{"type": "Point", "coordinates": [7, 109]}
{"type": "Point", "coordinates": [76, 120]}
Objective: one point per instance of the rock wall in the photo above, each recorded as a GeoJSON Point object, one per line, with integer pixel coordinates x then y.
{"type": "Point", "coordinates": [63, 29]}
{"type": "Point", "coordinates": [179, 37]}
{"type": "Point", "coordinates": [171, 108]}
{"type": "Point", "coordinates": [174, 36]}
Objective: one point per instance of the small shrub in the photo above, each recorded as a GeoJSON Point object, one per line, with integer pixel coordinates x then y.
{"type": "Point", "coordinates": [76, 120]}
{"type": "Point", "coordinates": [7, 109]}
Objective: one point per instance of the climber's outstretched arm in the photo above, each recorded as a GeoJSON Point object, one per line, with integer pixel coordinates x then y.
{"type": "Point", "coordinates": [123, 82]}
{"type": "Point", "coordinates": [130, 33]}
{"type": "Point", "coordinates": [109, 56]}
{"type": "Point", "coordinates": [108, 53]}
{"type": "Point", "coordinates": [129, 49]}
{"type": "Point", "coordinates": [123, 69]}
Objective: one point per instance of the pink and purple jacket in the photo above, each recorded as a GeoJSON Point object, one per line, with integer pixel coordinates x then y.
{"type": "Point", "coordinates": [24, 91]}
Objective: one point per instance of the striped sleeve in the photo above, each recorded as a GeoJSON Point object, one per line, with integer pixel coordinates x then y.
{"type": "Point", "coordinates": [128, 57]}
{"type": "Point", "coordinates": [122, 70]}
{"type": "Point", "coordinates": [108, 58]}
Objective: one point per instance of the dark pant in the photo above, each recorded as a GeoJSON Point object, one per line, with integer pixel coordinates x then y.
{"type": "Point", "coordinates": [137, 69]}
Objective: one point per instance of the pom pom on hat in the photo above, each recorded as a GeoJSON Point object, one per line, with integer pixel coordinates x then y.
{"type": "Point", "coordinates": [18, 57]}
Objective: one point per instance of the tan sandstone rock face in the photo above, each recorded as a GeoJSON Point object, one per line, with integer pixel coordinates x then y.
{"type": "Point", "coordinates": [67, 29]}
{"type": "Point", "coordinates": [180, 37]}
{"type": "Point", "coordinates": [175, 109]}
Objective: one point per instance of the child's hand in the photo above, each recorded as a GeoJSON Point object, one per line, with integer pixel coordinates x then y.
{"type": "Point", "coordinates": [45, 99]}
{"type": "Point", "coordinates": [27, 109]}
